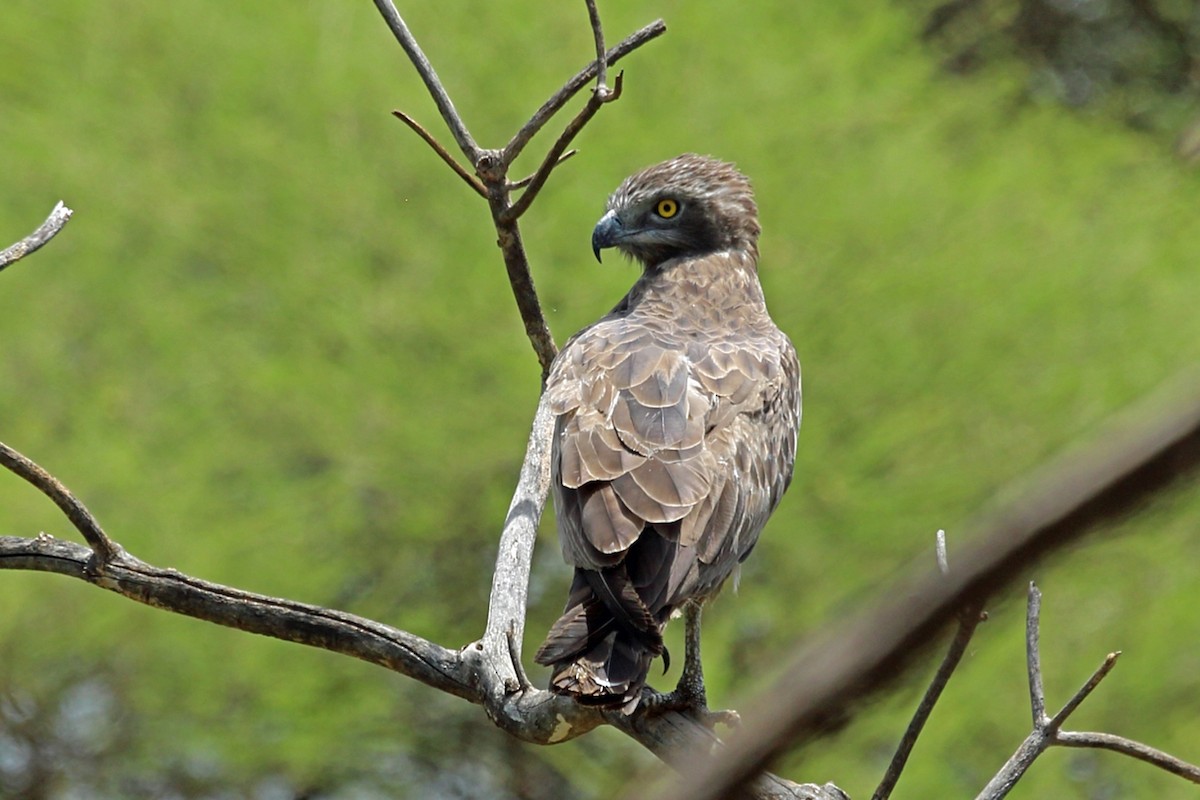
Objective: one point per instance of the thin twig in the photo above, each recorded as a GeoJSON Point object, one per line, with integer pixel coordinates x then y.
{"type": "Point", "coordinates": [430, 140]}
{"type": "Point", "coordinates": [553, 157]}
{"type": "Point", "coordinates": [34, 241]}
{"type": "Point", "coordinates": [598, 35]}
{"type": "Point", "coordinates": [560, 98]}
{"type": "Point", "coordinates": [434, 84]}
{"type": "Point", "coordinates": [1047, 731]}
{"type": "Point", "coordinates": [104, 548]}
{"type": "Point", "coordinates": [526, 180]}
{"type": "Point", "coordinates": [968, 621]}
{"type": "Point", "coordinates": [1106, 666]}
{"type": "Point", "coordinates": [1033, 657]}
{"type": "Point", "coordinates": [1128, 747]}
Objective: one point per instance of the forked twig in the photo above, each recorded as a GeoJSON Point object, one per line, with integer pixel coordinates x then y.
{"type": "Point", "coordinates": [554, 157]}
{"type": "Point", "coordinates": [34, 241]}
{"type": "Point", "coordinates": [560, 98]}
{"type": "Point", "coordinates": [491, 166]}
{"type": "Point", "coordinates": [434, 84]}
{"type": "Point", "coordinates": [104, 548]}
{"type": "Point", "coordinates": [1047, 731]}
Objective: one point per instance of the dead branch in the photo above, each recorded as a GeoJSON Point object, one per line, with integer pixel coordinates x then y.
{"type": "Point", "coordinates": [433, 83]}
{"type": "Point", "coordinates": [34, 241]}
{"type": "Point", "coordinates": [538, 120]}
{"type": "Point", "coordinates": [968, 621]}
{"type": "Point", "coordinates": [1047, 731]}
{"type": "Point", "coordinates": [105, 549]}
{"type": "Point", "coordinates": [491, 166]}
{"type": "Point", "coordinates": [1143, 451]}
{"type": "Point", "coordinates": [486, 672]}
{"type": "Point", "coordinates": [442, 152]}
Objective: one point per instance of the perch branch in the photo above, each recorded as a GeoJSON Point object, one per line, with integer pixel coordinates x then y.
{"type": "Point", "coordinates": [485, 672]}
{"type": "Point", "coordinates": [1047, 731]}
{"type": "Point", "coordinates": [445, 155]}
{"type": "Point", "coordinates": [34, 241]}
{"type": "Point", "coordinates": [1143, 451]}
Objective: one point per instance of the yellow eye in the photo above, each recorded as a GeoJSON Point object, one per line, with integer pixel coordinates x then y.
{"type": "Point", "coordinates": [666, 208]}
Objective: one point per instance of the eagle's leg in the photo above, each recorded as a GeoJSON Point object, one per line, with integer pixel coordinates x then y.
{"type": "Point", "coordinates": [689, 694]}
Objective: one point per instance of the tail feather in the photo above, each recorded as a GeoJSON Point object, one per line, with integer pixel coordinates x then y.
{"type": "Point", "coordinates": [600, 651]}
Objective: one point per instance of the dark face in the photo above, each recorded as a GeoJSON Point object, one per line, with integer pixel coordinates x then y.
{"type": "Point", "coordinates": [688, 206]}
{"type": "Point", "coordinates": [666, 225]}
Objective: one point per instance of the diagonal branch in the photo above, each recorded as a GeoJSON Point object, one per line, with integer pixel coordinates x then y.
{"type": "Point", "coordinates": [445, 155]}
{"type": "Point", "coordinates": [523, 182]}
{"type": "Point", "coordinates": [34, 241]}
{"type": "Point", "coordinates": [105, 549]}
{"type": "Point", "coordinates": [554, 157]}
{"type": "Point", "coordinates": [968, 620]}
{"type": "Point", "coordinates": [434, 84]}
{"type": "Point", "coordinates": [1145, 450]}
{"type": "Point", "coordinates": [967, 623]}
{"type": "Point", "coordinates": [572, 87]}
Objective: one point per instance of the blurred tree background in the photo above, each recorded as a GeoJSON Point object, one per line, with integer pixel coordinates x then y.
{"type": "Point", "coordinates": [275, 348]}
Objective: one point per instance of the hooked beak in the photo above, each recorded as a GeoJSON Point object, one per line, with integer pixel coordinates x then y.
{"type": "Point", "coordinates": [606, 233]}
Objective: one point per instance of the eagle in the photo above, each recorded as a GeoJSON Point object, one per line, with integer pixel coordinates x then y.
{"type": "Point", "coordinates": [676, 416]}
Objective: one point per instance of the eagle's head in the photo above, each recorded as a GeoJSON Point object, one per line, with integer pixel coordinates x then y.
{"type": "Point", "coordinates": [688, 206]}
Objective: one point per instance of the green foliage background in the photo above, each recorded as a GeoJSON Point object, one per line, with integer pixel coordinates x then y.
{"type": "Point", "coordinates": [276, 348]}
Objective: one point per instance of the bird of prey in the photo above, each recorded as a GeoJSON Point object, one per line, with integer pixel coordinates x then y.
{"type": "Point", "coordinates": [675, 434]}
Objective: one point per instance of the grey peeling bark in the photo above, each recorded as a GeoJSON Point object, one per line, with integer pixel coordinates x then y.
{"type": "Point", "coordinates": [44, 233]}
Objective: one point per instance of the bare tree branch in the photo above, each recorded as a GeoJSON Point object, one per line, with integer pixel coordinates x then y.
{"type": "Point", "coordinates": [1119, 744]}
{"type": "Point", "coordinates": [1143, 451]}
{"type": "Point", "coordinates": [560, 98]}
{"type": "Point", "coordinates": [103, 547]}
{"type": "Point", "coordinates": [491, 166]}
{"type": "Point", "coordinates": [554, 157]}
{"type": "Point", "coordinates": [1047, 730]}
{"type": "Point", "coordinates": [445, 155]}
{"type": "Point", "coordinates": [598, 37]}
{"type": "Point", "coordinates": [34, 241]}
{"type": "Point", "coordinates": [968, 621]}
{"type": "Point", "coordinates": [434, 84]}
{"type": "Point", "coordinates": [486, 672]}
